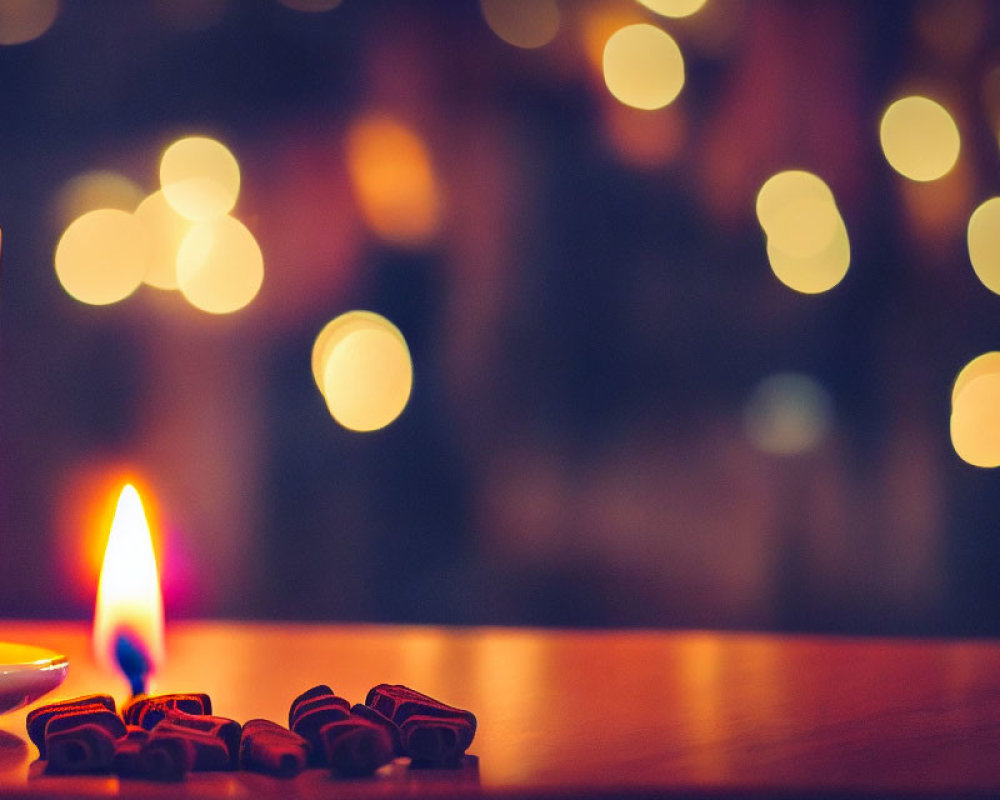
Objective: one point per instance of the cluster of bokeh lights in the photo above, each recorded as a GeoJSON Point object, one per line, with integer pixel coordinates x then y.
{"type": "Point", "coordinates": [922, 142]}
{"type": "Point", "coordinates": [181, 237]}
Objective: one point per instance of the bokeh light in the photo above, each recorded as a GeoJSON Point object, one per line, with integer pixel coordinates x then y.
{"type": "Point", "coordinates": [788, 414]}
{"type": "Point", "coordinates": [393, 179]}
{"type": "Point", "coordinates": [93, 190]}
{"type": "Point", "coordinates": [336, 329]}
{"type": "Point", "coordinates": [25, 20]}
{"type": "Point", "coordinates": [643, 66]}
{"type": "Point", "coordinates": [797, 211]}
{"type": "Point", "coordinates": [807, 243]}
{"type": "Point", "coordinates": [522, 23]}
{"type": "Point", "coordinates": [101, 256]}
{"type": "Point", "coordinates": [975, 421]}
{"type": "Point", "coordinates": [816, 273]}
{"type": "Point", "coordinates": [367, 377]}
{"type": "Point", "coordinates": [787, 188]}
{"type": "Point", "coordinates": [674, 8]}
{"type": "Point", "coordinates": [166, 230]}
{"type": "Point", "coordinates": [220, 267]}
{"type": "Point", "coordinates": [985, 364]}
{"type": "Point", "coordinates": [983, 237]}
{"type": "Point", "coordinates": [200, 178]}
{"type": "Point", "coordinates": [919, 138]}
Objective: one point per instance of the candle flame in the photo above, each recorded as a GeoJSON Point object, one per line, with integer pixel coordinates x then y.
{"type": "Point", "coordinates": [128, 617]}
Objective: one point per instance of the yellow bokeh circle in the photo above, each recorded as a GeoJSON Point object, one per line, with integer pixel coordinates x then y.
{"type": "Point", "coordinates": [101, 256]}
{"type": "Point", "coordinates": [815, 273]}
{"type": "Point", "coordinates": [368, 380]}
{"type": "Point", "coordinates": [674, 8]}
{"type": "Point", "coordinates": [220, 267]}
{"type": "Point", "coordinates": [983, 238]}
{"type": "Point", "coordinates": [919, 138]}
{"type": "Point", "coordinates": [643, 66]}
{"type": "Point", "coordinates": [805, 228]}
{"type": "Point", "coordinates": [975, 421]}
{"type": "Point", "coordinates": [200, 178]}
{"type": "Point", "coordinates": [798, 212]}
{"type": "Point", "coordinates": [985, 364]}
{"type": "Point", "coordinates": [336, 329]}
{"type": "Point", "coordinates": [807, 243]}
{"type": "Point", "coordinates": [787, 188]}
{"type": "Point", "coordinates": [362, 365]}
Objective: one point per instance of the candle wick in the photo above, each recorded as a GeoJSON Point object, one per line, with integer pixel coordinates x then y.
{"type": "Point", "coordinates": [133, 663]}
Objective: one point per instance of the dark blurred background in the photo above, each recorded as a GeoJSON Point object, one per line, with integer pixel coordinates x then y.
{"type": "Point", "coordinates": [606, 370]}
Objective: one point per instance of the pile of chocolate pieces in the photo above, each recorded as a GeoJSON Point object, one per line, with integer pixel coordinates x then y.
{"type": "Point", "coordinates": [163, 737]}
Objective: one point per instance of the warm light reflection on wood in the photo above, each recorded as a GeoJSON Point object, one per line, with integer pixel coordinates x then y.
{"type": "Point", "coordinates": [604, 712]}
{"type": "Point", "coordinates": [506, 667]}
{"type": "Point", "coordinates": [699, 671]}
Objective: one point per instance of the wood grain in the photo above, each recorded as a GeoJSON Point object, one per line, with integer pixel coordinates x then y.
{"type": "Point", "coordinates": [600, 714]}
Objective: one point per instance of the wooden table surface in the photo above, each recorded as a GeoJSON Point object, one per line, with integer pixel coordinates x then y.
{"type": "Point", "coordinates": [574, 714]}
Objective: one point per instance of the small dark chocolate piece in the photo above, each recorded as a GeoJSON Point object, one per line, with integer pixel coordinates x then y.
{"type": "Point", "coordinates": [410, 709]}
{"type": "Point", "coordinates": [38, 717]}
{"type": "Point", "coordinates": [226, 730]}
{"type": "Point", "coordinates": [210, 752]}
{"type": "Point", "coordinates": [433, 741]}
{"type": "Point", "coordinates": [385, 697]}
{"type": "Point", "coordinates": [270, 748]}
{"type": "Point", "coordinates": [85, 748]}
{"type": "Point", "coordinates": [370, 714]}
{"type": "Point", "coordinates": [85, 715]}
{"type": "Point", "coordinates": [167, 758]}
{"type": "Point", "coordinates": [308, 724]}
{"type": "Point", "coordinates": [356, 747]}
{"type": "Point", "coordinates": [399, 703]}
{"type": "Point", "coordinates": [317, 702]}
{"type": "Point", "coordinates": [147, 710]}
{"type": "Point", "coordinates": [321, 690]}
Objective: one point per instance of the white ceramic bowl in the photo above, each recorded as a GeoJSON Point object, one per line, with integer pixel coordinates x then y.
{"type": "Point", "coordinates": [28, 672]}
